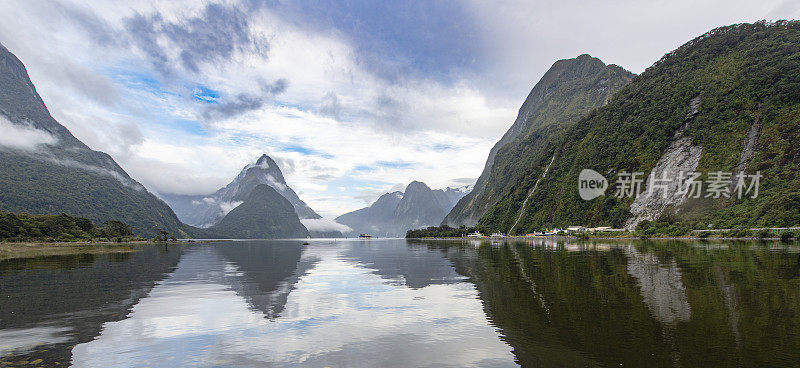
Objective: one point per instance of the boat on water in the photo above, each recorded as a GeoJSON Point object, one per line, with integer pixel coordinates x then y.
{"type": "Point", "coordinates": [541, 233]}
{"type": "Point", "coordinates": [476, 234]}
{"type": "Point", "coordinates": [365, 236]}
{"type": "Point", "coordinates": [498, 235]}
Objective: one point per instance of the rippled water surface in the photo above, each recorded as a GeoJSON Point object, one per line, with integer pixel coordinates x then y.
{"type": "Point", "coordinates": [398, 303]}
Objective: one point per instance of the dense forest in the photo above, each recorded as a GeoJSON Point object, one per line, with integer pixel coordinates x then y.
{"type": "Point", "coordinates": [63, 227]}
{"type": "Point", "coordinates": [443, 231]}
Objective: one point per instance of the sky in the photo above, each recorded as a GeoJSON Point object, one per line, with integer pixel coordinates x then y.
{"type": "Point", "coordinates": [352, 98]}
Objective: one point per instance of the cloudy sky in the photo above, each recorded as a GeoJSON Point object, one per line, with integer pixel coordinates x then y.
{"type": "Point", "coordinates": [352, 98]}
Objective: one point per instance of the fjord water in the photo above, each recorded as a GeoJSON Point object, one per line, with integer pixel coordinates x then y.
{"type": "Point", "coordinates": [407, 303]}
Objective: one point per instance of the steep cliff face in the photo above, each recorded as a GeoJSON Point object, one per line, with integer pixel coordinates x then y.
{"type": "Point", "coordinates": [682, 156]}
{"type": "Point", "coordinates": [568, 91]}
{"type": "Point", "coordinates": [45, 169]}
{"type": "Point", "coordinates": [725, 102]}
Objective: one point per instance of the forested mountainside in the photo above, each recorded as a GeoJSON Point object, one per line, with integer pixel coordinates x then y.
{"type": "Point", "coordinates": [725, 102]}
{"type": "Point", "coordinates": [569, 90]}
{"type": "Point", "coordinates": [49, 171]}
{"type": "Point", "coordinates": [263, 214]}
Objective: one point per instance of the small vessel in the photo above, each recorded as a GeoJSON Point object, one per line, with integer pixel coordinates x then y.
{"type": "Point", "coordinates": [498, 235]}
{"type": "Point", "coordinates": [365, 236]}
{"type": "Point", "coordinates": [476, 234]}
{"type": "Point", "coordinates": [541, 233]}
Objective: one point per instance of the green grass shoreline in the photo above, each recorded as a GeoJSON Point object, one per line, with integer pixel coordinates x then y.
{"type": "Point", "coordinates": [32, 249]}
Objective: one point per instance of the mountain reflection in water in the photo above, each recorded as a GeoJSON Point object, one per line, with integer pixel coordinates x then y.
{"type": "Point", "coordinates": [408, 303]}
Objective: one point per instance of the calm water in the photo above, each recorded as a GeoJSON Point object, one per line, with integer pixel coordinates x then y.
{"type": "Point", "coordinates": [407, 304]}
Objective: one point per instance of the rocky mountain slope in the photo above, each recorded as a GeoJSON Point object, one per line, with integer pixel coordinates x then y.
{"type": "Point", "coordinates": [206, 210]}
{"type": "Point", "coordinates": [567, 92]}
{"type": "Point", "coordinates": [725, 102]}
{"type": "Point", "coordinates": [395, 213]}
{"type": "Point", "coordinates": [44, 169]}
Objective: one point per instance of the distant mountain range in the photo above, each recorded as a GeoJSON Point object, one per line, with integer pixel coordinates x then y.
{"type": "Point", "coordinates": [395, 213]}
{"type": "Point", "coordinates": [44, 169]}
{"type": "Point", "coordinates": [724, 102]}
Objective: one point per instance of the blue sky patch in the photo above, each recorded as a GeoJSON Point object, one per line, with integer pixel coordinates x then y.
{"type": "Point", "coordinates": [394, 164]}
{"type": "Point", "coordinates": [136, 80]}
{"type": "Point", "coordinates": [189, 126]}
{"type": "Point", "coordinates": [205, 94]}
{"type": "Point", "coordinates": [308, 151]}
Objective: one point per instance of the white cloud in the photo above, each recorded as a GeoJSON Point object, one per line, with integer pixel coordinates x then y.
{"type": "Point", "coordinates": [324, 225]}
{"type": "Point", "coordinates": [229, 206]}
{"type": "Point", "coordinates": [23, 137]}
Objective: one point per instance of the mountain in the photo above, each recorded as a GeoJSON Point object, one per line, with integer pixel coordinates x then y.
{"type": "Point", "coordinates": [205, 211]}
{"type": "Point", "coordinates": [375, 219]}
{"type": "Point", "coordinates": [395, 213]}
{"type": "Point", "coordinates": [726, 101]}
{"type": "Point", "coordinates": [263, 214]}
{"type": "Point", "coordinates": [44, 169]}
{"type": "Point", "coordinates": [569, 90]}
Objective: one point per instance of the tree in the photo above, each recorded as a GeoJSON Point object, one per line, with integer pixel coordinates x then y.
{"type": "Point", "coordinates": [164, 235]}
{"type": "Point", "coordinates": [117, 228]}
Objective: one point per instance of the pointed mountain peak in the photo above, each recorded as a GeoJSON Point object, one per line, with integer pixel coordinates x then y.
{"type": "Point", "coordinates": [575, 68]}
{"type": "Point", "coordinates": [417, 186]}
{"type": "Point", "coordinates": [265, 171]}
{"type": "Point", "coordinates": [266, 161]}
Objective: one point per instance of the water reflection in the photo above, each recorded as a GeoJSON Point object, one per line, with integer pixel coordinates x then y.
{"type": "Point", "coordinates": [265, 274]}
{"type": "Point", "coordinates": [341, 311]}
{"type": "Point", "coordinates": [661, 286]}
{"type": "Point", "coordinates": [48, 304]}
{"type": "Point", "coordinates": [544, 302]}
{"type": "Point", "coordinates": [635, 303]}
{"type": "Point", "coordinates": [407, 264]}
